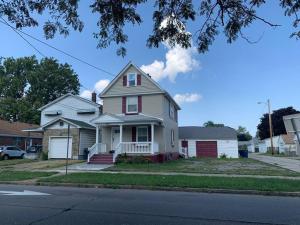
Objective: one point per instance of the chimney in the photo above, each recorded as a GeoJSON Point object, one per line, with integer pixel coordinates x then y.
{"type": "Point", "coordinates": [94, 97]}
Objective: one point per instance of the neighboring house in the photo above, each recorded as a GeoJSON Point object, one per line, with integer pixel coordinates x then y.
{"type": "Point", "coordinates": [139, 119]}
{"type": "Point", "coordinates": [68, 111]}
{"type": "Point", "coordinates": [11, 133]}
{"type": "Point", "coordinates": [283, 143]}
{"type": "Point", "coordinates": [208, 141]}
{"type": "Point", "coordinates": [292, 126]}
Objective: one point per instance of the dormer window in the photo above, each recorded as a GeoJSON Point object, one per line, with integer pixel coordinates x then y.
{"type": "Point", "coordinates": [131, 79]}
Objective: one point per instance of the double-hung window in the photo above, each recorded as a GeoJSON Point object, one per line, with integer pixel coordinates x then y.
{"type": "Point", "coordinates": [142, 134]}
{"type": "Point", "coordinates": [131, 79]}
{"type": "Point", "coordinates": [172, 138]}
{"type": "Point", "coordinates": [132, 104]}
{"type": "Point", "coordinates": [172, 111]}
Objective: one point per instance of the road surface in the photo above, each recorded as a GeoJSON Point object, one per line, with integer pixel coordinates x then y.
{"type": "Point", "coordinates": [88, 206]}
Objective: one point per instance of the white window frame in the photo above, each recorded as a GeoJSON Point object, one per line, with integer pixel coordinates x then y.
{"type": "Point", "coordinates": [172, 111]}
{"type": "Point", "coordinates": [135, 75]}
{"type": "Point", "coordinates": [137, 104]}
{"type": "Point", "coordinates": [137, 133]}
{"type": "Point", "coordinates": [172, 137]}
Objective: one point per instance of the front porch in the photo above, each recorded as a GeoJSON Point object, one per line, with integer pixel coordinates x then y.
{"type": "Point", "coordinates": [113, 139]}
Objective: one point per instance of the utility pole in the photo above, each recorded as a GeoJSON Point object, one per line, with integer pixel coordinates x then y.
{"type": "Point", "coordinates": [68, 139]}
{"type": "Point", "coordinates": [270, 125]}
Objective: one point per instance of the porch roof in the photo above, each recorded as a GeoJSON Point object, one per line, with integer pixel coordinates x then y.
{"type": "Point", "coordinates": [125, 119]}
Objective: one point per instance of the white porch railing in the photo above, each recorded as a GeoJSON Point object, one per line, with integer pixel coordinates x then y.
{"type": "Point", "coordinates": [135, 148]}
{"type": "Point", "coordinates": [96, 149]}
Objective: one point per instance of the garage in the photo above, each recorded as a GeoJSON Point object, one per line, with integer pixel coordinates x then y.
{"type": "Point", "coordinates": [58, 147]}
{"type": "Point", "coordinates": [214, 142]}
{"type": "Point", "coordinates": [206, 149]}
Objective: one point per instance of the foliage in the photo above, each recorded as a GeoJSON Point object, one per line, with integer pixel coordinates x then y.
{"type": "Point", "coordinates": [212, 124]}
{"type": "Point", "coordinates": [170, 17]}
{"type": "Point", "coordinates": [243, 134]}
{"type": "Point", "coordinates": [133, 159]}
{"type": "Point", "coordinates": [44, 155]}
{"type": "Point", "coordinates": [27, 84]}
{"type": "Point", "coordinates": [223, 156]}
{"type": "Point", "coordinates": [277, 122]}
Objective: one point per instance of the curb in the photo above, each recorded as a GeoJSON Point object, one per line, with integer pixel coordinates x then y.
{"type": "Point", "coordinates": [179, 189]}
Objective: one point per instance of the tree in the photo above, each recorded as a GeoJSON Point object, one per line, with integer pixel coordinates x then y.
{"type": "Point", "coordinates": [231, 17]}
{"type": "Point", "coordinates": [212, 124]}
{"type": "Point", "coordinates": [243, 134]}
{"type": "Point", "coordinates": [277, 122]}
{"type": "Point", "coordinates": [27, 84]}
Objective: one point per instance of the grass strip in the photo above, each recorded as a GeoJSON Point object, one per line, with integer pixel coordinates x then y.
{"type": "Point", "coordinates": [22, 175]}
{"type": "Point", "coordinates": [234, 183]}
{"type": "Point", "coordinates": [15, 162]}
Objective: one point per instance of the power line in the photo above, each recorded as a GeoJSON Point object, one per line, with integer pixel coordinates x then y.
{"type": "Point", "coordinates": [4, 22]}
{"type": "Point", "coordinates": [61, 51]}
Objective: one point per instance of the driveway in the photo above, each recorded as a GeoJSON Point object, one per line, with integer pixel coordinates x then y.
{"type": "Point", "coordinates": [286, 163]}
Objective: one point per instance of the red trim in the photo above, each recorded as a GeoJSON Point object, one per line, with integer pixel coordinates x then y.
{"type": "Point", "coordinates": [123, 104]}
{"type": "Point", "coordinates": [139, 104]}
{"type": "Point", "coordinates": [125, 80]}
{"type": "Point", "coordinates": [139, 79]}
{"type": "Point", "coordinates": [133, 134]}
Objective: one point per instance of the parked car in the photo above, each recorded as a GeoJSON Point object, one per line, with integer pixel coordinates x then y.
{"type": "Point", "coordinates": [7, 152]}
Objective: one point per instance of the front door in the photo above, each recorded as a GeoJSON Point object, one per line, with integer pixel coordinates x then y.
{"type": "Point", "coordinates": [115, 137]}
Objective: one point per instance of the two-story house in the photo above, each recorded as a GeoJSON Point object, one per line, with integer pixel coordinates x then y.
{"type": "Point", "coordinates": [139, 118]}
{"type": "Point", "coordinates": [69, 114]}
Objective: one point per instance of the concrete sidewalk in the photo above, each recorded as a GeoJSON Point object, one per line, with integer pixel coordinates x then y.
{"type": "Point", "coordinates": [81, 167]}
{"type": "Point", "coordinates": [286, 163]}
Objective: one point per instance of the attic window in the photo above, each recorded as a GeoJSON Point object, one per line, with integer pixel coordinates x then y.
{"type": "Point", "coordinates": [131, 79]}
{"type": "Point", "coordinates": [61, 123]}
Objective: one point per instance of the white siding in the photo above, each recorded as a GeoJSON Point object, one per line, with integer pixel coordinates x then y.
{"type": "Point", "coordinates": [228, 147]}
{"type": "Point", "coordinates": [69, 107]}
{"type": "Point", "coordinates": [57, 126]}
{"type": "Point", "coordinates": [87, 139]}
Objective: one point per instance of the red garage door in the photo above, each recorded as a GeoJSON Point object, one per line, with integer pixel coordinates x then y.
{"type": "Point", "coordinates": [206, 149]}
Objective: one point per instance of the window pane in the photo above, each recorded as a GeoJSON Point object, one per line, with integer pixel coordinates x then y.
{"type": "Point", "coordinates": [132, 104]}
{"type": "Point", "coordinates": [142, 134]}
{"type": "Point", "coordinates": [131, 79]}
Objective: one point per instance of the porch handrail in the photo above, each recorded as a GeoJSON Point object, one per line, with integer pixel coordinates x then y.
{"type": "Point", "coordinates": [96, 149]}
{"type": "Point", "coordinates": [117, 152]}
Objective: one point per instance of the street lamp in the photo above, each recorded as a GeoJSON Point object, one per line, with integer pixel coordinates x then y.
{"type": "Point", "coordinates": [270, 123]}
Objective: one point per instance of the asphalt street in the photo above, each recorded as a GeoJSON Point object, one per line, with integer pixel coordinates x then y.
{"type": "Point", "coordinates": [80, 206]}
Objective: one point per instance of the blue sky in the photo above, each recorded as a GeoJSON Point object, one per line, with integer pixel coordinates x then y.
{"type": "Point", "coordinates": [226, 83]}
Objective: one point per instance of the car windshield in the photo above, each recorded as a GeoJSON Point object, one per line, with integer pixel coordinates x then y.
{"type": "Point", "coordinates": [1, 148]}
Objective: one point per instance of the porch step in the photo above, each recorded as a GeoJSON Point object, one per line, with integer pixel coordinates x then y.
{"type": "Point", "coordinates": [101, 159]}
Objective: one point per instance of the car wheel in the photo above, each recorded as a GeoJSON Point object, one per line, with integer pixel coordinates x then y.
{"type": "Point", "coordinates": [22, 156]}
{"type": "Point", "coordinates": [5, 157]}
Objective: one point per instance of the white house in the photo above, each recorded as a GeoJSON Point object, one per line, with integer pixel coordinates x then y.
{"type": "Point", "coordinates": [208, 141]}
{"type": "Point", "coordinates": [283, 143]}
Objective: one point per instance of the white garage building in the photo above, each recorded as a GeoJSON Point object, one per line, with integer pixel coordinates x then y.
{"type": "Point", "coordinates": [208, 141]}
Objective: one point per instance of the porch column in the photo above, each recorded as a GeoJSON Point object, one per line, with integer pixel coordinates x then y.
{"type": "Point", "coordinates": [152, 138]}
{"type": "Point", "coordinates": [121, 133]}
{"type": "Point", "coordinates": [97, 137]}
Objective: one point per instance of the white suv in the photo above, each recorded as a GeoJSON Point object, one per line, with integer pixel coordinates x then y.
{"type": "Point", "coordinates": [7, 152]}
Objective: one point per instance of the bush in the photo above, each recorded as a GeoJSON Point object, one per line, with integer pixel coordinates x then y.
{"type": "Point", "coordinates": [44, 155]}
{"type": "Point", "coordinates": [132, 159]}
{"type": "Point", "coordinates": [223, 156]}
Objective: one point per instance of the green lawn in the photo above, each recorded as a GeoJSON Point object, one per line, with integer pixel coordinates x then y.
{"type": "Point", "coordinates": [113, 180]}
{"type": "Point", "coordinates": [21, 175]}
{"type": "Point", "coordinates": [12, 162]}
{"type": "Point", "coordinates": [209, 166]}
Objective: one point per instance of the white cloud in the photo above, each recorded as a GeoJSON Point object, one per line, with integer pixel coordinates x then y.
{"type": "Point", "coordinates": [98, 88]}
{"type": "Point", "coordinates": [100, 85]}
{"type": "Point", "coordinates": [187, 98]}
{"type": "Point", "coordinates": [178, 61]}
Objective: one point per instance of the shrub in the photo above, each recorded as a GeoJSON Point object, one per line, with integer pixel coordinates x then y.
{"type": "Point", "coordinates": [223, 156]}
{"type": "Point", "coordinates": [44, 155]}
{"type": "Point", "coordinates": [132, 159]}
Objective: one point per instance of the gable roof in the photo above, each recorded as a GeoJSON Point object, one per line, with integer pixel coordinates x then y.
{"type": "Point", "coordinates": [15, 129]}
{"type": "Point", "coordinates": [68, 95]}
{"type": "Point", "coordinates": [288, 138]}
{"type": "Point", "coordinates": [76, 123]}
{"type": "Point", "coordinates": [145, 75]}
{"type": "Point", "coordinates": [207, 133]}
